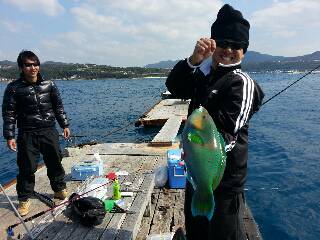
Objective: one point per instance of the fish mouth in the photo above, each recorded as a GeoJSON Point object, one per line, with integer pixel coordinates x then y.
{"type": "Point", "coordinates": [197, 123]}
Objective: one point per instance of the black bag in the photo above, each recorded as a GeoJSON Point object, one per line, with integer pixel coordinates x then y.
{"type": "Point", "coordinates": [89, 210]}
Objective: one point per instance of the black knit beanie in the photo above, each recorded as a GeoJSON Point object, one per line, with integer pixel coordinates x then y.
{"type": "Point", "coordinates": [230, 25]}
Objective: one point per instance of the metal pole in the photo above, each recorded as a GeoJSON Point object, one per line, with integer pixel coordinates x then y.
{"type": "Point", "coordinates": [16, 212]}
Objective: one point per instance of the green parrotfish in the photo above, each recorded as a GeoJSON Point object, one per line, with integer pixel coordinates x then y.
{"type": "Point", "coordinates": [205, 158]}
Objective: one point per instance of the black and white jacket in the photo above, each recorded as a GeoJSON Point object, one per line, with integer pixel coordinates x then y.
{"type": "Point", "coordinates": [231, 98]}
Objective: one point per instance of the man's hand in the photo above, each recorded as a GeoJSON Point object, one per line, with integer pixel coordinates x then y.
{"type": "Point", "coordinates": [66, 133]}
{"type": "Point", "coordinates": [12, 145]}
{"type": "Point", "coordinates": [204, 48]}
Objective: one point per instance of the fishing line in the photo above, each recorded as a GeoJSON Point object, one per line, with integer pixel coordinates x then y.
{"type": "Point", "coordinates": [72, 139]}
{"type": "Point", "coordinates": [137, 123]}
{"type": "Point", "coordinates": [290, 85]}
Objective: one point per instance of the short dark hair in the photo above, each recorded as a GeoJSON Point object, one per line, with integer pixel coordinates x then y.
{"type": "Point", "coordinates": [25, 54]}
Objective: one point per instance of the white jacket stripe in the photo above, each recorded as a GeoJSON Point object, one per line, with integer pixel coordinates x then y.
{"type": "Point", "coordinates": [247, 96]}
{"type": "Point", "coordinates": [251, 91]}
{"type": "Point", "coordinates": [229, 146]}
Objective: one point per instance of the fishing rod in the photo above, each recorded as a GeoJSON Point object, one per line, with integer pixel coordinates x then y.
{"type": "Point", "coordinates": [10, 231]}
{"type": "Point", "coordinates": [291, 85]}
{"type": "Point", "coordinates": [138, 123]}
{"type": "Point", "coordinates": [75, 197]}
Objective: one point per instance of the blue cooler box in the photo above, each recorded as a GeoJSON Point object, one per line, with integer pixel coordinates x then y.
{"type": "Point", "coordinates": [176, 169]}
{"type": "Point", "coordinates": [86, 169]}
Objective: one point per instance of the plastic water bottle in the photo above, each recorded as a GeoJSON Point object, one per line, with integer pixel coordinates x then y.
{"type": "Point", "coordinates": [116, 190]}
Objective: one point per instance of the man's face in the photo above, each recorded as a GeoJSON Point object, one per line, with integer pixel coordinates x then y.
{"type": "Point", "coordinates": [227, 55]}
{"type": "Point", "coordinates": [30, 69]}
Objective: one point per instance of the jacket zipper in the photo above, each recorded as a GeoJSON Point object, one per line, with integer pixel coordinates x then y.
{"type": "Point", "coordinates": [38, 100]}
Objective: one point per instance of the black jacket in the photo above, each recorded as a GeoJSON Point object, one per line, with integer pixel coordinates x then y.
{"type": "Point", "coordinates": [231, 98]}
{"type": "Point", "coordinates": [31, 106]}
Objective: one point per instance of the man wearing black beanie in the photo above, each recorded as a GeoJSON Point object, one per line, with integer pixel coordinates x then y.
{"type": "Point", "coordinates": [212, 77]}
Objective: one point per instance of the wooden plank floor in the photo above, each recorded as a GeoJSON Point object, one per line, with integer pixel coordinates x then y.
{"type": "Point", "coordinates": [116, 157]}
{"type": "Point", "coordinates": [168, 215]}
{"type": "Point", "coordinates": [166, 212]}
{"type": "Point", "coordinates": [161, 112]}
{"type": "Point", "coordinates": [168, 132]}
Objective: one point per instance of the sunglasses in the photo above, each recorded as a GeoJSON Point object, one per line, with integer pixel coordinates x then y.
{"type": "Point", "coordinates": [230, 44]}
{"type": "Point", "coordinates": [31, 64]}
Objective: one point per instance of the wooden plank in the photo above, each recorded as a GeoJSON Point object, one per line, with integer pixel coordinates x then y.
{"type": "Point", "coordinates": [98, 231]}
{"type": "Point", "coordinates": [251, 227]}
{"type": "Point", "coordinates": [74, 229]}
{"type": "Point", "coordinates": [163, 110]}
{"type": "Point", "coordinates": [7, 213]}
{"type": "Point", "coordinates": [168, 132]}
{"type": "Point", "coordinates": [146, 221]}
{"type": "Point", "coordinates": [139, 121]}
{"type": "Point", "coordinates": [163, 216]}
{"type": "Point", "coordinates": [65, 231]}
{"type": "Point", "coordinates": [129, 149]}
{"type": "Point", "coordinates": [131, 224]}
{"type": "Point", "coordinates": [114, 226]}
{"type": "Point", "coordinates": [79, 232]}
{"type": "Point", "coordinates": [178, 212]}
{"type": "Point", "coordinates": [166, 211]}
{"type": "Point", "coordinates": [54, 230]}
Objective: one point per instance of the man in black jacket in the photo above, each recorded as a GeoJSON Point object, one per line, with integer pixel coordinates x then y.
{"type": "Point", "coordinates": [34, 104]}
{"type": "Point", "coordinates": [212, 77]}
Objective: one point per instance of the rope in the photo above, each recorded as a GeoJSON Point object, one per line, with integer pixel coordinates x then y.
{"type": "Point", "coordinates": [107, 134]}
{"type": "Point", "coordinates": [137, 123]}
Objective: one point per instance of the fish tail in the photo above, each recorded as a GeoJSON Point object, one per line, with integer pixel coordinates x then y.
{"type": "Point", "coordinates": [202, 204]}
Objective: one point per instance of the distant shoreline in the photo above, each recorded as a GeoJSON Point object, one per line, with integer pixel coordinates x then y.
{"type": "Point", "coordinates": [5, 80]}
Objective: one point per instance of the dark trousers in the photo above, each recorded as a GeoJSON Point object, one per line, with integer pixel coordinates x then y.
{"type": "Point", "coordinates": [29, 146]}
{"type": "Point", "coordinates": [227, 220]}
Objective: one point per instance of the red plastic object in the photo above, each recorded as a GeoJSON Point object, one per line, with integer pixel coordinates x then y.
{"type": "Point", "coordinates": [181, 163]}
{"type": "Point", "coordinates": [111, 176]}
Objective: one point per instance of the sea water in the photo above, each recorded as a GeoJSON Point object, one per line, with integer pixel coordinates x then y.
{"type": "Point", "coordinates": [283, 184]}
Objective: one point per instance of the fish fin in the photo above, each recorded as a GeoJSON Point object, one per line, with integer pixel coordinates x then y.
{"type": "Point", "coordinates": [190, 179]}
{"type": "Point", "coordinates": [202, 204]}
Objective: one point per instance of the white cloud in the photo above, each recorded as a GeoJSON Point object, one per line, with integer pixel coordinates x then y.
{"type": "Point", "coordinates": [287, 19]}
{"type": "Point", "coordinates": [15, 27]}
{"type": "Point", "coordinates": [49, 7]}
{"type": "Point", "coordinates": [287, 28]}
{"type": "Point", "coordinates": [10, 26]}
{"type": "Point", "coordinates": [137, 32]}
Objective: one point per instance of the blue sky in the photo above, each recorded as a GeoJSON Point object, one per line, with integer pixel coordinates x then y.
{"type": "Point", "coordinates": [138, 32]}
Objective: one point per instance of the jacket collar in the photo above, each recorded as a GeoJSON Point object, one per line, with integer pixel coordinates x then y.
{"type": "Point", "coordinates": [206, 67]}
{"type": "Point", "coordinates": [23, 79]}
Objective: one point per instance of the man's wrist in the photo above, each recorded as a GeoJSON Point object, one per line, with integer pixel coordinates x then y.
{"type": "Point", "coordinates": [190, 63]}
